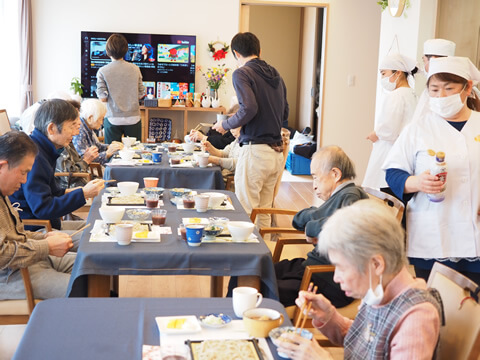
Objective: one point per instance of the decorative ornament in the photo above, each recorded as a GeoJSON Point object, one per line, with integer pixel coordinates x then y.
{"type": "Point", "coordinates": [218, 54]}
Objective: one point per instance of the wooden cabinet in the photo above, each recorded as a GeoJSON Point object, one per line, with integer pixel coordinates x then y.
{"type": "Point", "coordinates": [149, 112]}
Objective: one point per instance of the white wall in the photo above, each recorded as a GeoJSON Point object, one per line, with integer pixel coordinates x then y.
{"type": "Point", "coordinates": [57, 25]}
{"type": "Point", "coordinates": [283, 55]}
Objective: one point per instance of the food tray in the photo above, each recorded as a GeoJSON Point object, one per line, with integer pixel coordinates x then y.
{"type": "Point", "coordinates": [251, 344]}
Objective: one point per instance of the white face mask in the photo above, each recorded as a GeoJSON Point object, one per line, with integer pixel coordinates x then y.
{"type": "Point", "coordinates": [386, 84]}
{"type": "Point", "coordinates": [373, 297]}
{"type": "Point", "coordinates": [447, 106]}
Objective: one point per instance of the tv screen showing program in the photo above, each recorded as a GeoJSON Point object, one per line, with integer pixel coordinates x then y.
{"type": "Point", "coordinates": [167, 62]}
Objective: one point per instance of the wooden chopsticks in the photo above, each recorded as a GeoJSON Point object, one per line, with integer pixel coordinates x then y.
{"type": "Point", "coordinates": [304, 315]}
{"type": "Point", "coordinates": [80, 230]}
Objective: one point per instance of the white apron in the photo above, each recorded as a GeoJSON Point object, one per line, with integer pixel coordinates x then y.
{"type": "Point", "coordinates": [397, 110]}
{"type": "Point", "coordinates": [448, 229]}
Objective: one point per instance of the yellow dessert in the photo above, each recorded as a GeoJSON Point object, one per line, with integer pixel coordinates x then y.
{"type": "Point", "coordinates": [176, 323]}
{"type": "Point", "coordinates": [195, 221]}
{"type": "Point", "coordinates": [141, 234]}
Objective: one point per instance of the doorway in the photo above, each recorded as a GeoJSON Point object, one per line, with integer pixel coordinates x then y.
{"type": "Point", "coordinates": [293, 41]}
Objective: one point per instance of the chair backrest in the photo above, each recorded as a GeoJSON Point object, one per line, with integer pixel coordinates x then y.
{"type": "Point", "coordinates": [460, 337]}
{"type": "Point", "coordinates": [395, 205]}
{"type": "Point", "coordinates": [4, 122]}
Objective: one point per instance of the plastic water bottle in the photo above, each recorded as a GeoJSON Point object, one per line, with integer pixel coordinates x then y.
{"type": "Point", "coordinates": [439, 169]}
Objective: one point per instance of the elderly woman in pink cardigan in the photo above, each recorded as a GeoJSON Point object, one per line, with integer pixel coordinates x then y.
{"type": "Point", "coordinates": [399, 318]}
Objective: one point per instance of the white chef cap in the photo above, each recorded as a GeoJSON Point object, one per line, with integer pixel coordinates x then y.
{"type": "Point", "coordinates": [398, 61]}
{"type": "Point", "coordinates": [461, 66]}
{"type": "Point", "coordinates": [439, 47]}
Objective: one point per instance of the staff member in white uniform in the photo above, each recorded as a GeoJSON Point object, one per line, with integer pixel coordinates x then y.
{"type": "Point", "coordinates": [396, 111]}
{"type": "Point", "coordinates": [446, 231]}
{"type": "Point", "coordinates": [432, 49]}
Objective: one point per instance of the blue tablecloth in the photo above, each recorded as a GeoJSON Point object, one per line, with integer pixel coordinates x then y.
{"type": "Point", "coordinates": [107, 328]}
{"type": "Point", "coordinates": [169, 177]}
{"type": "Point", "coordinates": [173, 256]}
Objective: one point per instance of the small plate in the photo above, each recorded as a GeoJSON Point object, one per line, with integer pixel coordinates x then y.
{"type": "Point", "coordinates": [189, 326]}
{"type": "Point", "coordinates": [213, 317]}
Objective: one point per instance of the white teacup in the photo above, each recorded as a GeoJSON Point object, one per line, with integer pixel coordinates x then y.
{"type": "Point", "coordinates": [245, 298]}
{"type": "Point", "coordinates": [124, 233]}
{"type": "Point", "coordinates": [202, 159]}
{"type": "Point", "coordinates": [201, 202]}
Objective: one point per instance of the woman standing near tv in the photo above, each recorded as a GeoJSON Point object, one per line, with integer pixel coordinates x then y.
{"type": "Point", "coordinates": [119, 84]}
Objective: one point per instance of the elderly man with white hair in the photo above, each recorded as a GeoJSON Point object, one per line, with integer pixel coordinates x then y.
{"type": "Point", "coordinates": [92, 113]}
{"type": "Point", "coordinates": [399, 318]}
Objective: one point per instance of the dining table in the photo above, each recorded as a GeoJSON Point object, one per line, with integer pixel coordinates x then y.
{"type": "Point", "coordinates": [184, 175]}
{"type": "Point", "coordinates": [118, 328]}
{"type": "Point", "coordinates": [97, 263]}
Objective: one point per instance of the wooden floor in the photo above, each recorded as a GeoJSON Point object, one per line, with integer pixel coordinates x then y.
{"type": "Point", "coordinates": [295, 192]}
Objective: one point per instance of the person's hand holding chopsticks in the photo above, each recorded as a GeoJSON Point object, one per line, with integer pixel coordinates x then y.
{"type": "Point", "coordinates": [321, 309]}
{"type": "Point", "coordinates": [93, 188]}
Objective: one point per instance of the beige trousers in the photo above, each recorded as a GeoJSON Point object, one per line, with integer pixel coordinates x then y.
{"type": "Point", "coordinates": [257, 171]}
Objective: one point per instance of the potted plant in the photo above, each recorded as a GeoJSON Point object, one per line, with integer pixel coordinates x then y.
{"type": "Point", "coordinates": [76, 86]}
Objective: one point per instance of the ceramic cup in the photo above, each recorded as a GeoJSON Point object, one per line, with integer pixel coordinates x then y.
{"type": "Point", "coordinates": [150, 181]}
{"type": "Point", "coordinates": [245, 298]}
{"type": "Point", "coordinates": [124, 233]}
{"type": "Point", "coordinates": [258, 322]}
{"type": "Point", "coordinates": [203, 159]}
{"type": "Point", "coordinates": [194, 234]}
{"type": "Point", "coordinates": [156, 157]}
{"type": "Point", "coordinates": [201, 203]}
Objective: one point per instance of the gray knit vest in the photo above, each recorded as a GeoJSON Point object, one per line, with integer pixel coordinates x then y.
{"type": "Point", "coordinates": [370, 335]}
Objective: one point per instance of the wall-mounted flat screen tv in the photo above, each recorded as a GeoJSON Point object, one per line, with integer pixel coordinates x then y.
{"type": "Point", "coordinates": [167, 62]}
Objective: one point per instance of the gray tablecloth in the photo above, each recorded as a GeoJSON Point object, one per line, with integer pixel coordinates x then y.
{"type": "Point", "coordinates": [173, 256]}
{"type": "Point", "coordinates": [169, 177]}
{"type": "Point", "coordinates": [77, 329]}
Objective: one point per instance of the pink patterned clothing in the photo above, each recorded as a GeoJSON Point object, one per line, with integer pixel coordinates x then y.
{"type": "Point", "coordinates": [415, 335]}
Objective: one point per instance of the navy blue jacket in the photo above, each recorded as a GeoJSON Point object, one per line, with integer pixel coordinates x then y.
{"type": "Point", "coordinates": [262, 97]}
{"type": "Point", "coordinates": [40, 197]}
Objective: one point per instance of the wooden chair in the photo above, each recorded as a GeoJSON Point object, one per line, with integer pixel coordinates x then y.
{"type": "Point", "coordinates": [460, 337]}
{"type": "Point", "coordinates": [274, 229]}
{"type": "Point", "coordinates": [391, 201]}
{"type": "Point", "coordinates": [19, 311]}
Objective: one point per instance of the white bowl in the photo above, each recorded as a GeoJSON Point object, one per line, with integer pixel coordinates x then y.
{"type": "Point", "coordinates": [126, 154]}
{"type": "Point", "coordinates": [216, 199]}
{"type": "Point", "coordinates": [129, 141]}
{"type": "Point", "coordinates": [188, 147]}
{"type": "Point", "coordinates": [111, 214]}
{"type": "Point", "coordinates": [127, 187]}
{"type": "Point", "coordinates": [240, 230]}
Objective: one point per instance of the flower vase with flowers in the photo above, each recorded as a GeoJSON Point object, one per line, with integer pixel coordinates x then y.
{"type": "Point", "coordinates": [215, 77]}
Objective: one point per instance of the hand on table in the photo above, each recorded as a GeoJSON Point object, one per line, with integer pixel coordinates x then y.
{"type": "Point", "coordinates": [299, 348]}
{"type": "Point", "coordinates": [59, 243]}
{"type": "Point", "coordinates": [93, 188]}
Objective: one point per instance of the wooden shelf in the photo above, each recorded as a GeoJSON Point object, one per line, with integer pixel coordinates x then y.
{"type": "Point", "coordinates": [145, 114]}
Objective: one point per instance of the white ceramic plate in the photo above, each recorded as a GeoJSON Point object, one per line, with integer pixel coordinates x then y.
{"type": "Point", "coordinates": [190, 326]}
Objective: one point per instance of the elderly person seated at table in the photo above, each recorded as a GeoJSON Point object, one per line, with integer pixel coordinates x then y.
{"type": "Point", "coordinates": [40, 197]}
{"type": "Point", "coordinates": [333, 181]}
{"type": "Point", "coordinates": [217, 140]}
{"type": "Point", "coordinates": [399, 318]}
{"type": "Point", "coordinates": [71, 162]}
{"type": "Point", "coordinates": [45, 254]}
{"type": "Point", "coordinates": [92, 113]}
{"type": "Point", "coordinates": [226, 158]}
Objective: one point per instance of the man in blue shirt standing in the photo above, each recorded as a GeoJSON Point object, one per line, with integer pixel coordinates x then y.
{"type": "Point", "coordinates": [262, 97]}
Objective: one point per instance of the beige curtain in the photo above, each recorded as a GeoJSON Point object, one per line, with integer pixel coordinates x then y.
{"type": "Point", "coordinates": [25, 13]}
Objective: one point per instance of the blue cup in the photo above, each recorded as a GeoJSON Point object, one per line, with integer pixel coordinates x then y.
{"type": "Point", "coordinates": [194, 234]}
{"type": "Point", "coordinates": [157, 157]}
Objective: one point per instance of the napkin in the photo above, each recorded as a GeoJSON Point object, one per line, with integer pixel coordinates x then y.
{"type": "Point", "coordinates": [98, 234]}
